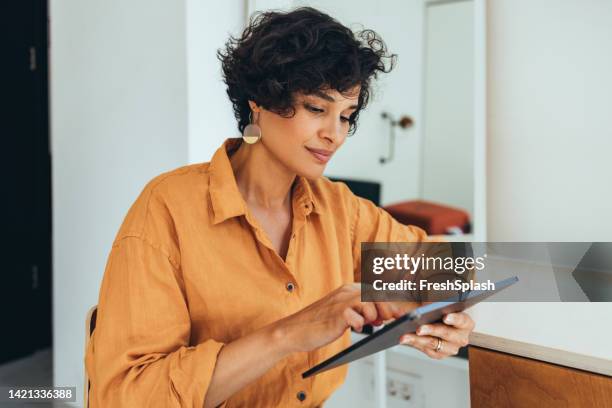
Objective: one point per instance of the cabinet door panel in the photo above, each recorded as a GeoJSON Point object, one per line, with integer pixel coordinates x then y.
{"type": "Point", "coordinates": [502, 380]}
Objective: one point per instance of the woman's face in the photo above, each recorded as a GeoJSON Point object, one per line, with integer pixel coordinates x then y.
{"type": "Point", "coordinates": [305, 142]}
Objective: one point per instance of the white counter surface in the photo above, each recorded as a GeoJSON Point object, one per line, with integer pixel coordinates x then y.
{"type": "Point", "coordinates": [577, 335]}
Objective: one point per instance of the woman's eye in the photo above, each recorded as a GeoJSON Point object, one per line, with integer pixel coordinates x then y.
{"type": "Point", "coordinates": [313, 108]}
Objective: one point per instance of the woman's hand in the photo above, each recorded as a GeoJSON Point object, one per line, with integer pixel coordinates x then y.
{"type": "Point", "coordinates": [325, 320]}
{"type": "Point", "coordinates": [452, 334]}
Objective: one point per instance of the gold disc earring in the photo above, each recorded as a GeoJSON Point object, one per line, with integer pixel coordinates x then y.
{"type": "Point", "coordinates": [252, 132]}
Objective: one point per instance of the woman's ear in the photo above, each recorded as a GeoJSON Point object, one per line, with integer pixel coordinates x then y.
{"type": "Point", "coordinates": [254, 107]}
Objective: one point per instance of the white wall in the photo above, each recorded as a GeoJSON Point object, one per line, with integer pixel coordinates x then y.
{"type": "Point", "coordinates": [122, 112]}
{"type": "Point", "coordinates": [211, 119]}
{"type": "Point", "coordinates": [119, 117]}
{"type": "Point", "coordinates": [550, 134]}
{"type": "Point", "coordinates": [549, 144]}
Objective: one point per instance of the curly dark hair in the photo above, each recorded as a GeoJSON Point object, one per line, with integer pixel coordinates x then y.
{"type": "Point", "coordinates": [281, 54]}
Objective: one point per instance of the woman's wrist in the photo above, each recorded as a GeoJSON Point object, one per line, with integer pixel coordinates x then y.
{"type": "Point", "coordinates": [281, 338]}
{"type": "Point", "coordinates": [247, 358]}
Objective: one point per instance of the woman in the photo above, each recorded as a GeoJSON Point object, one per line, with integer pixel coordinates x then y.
{"type": "Point", "coordinates": [229, 279]}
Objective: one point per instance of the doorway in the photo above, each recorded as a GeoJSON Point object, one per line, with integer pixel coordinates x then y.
{"type": "Point", "coordinates": [25, 301]}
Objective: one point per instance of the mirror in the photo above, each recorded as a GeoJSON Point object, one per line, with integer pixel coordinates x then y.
{"type": "Point", "coordinates": [447, 148]}
{"type": "Point", "coordinates": [421, 139]}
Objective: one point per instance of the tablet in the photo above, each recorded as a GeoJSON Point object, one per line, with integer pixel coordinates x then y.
{"type": "Point", "coordinates": [390, 334]}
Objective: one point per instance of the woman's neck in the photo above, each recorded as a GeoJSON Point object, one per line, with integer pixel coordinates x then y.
{"type": "Point", "coordinates": [261, 179]}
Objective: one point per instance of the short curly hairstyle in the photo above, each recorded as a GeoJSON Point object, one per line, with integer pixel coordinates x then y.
{"type": "Point", "coordinates": [281, 54]}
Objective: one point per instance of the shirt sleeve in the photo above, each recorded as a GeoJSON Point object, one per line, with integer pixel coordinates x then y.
{"type": "Point", "coordinates": [373, 224]}
{"type": "Point", "coordinates": [140, 352]}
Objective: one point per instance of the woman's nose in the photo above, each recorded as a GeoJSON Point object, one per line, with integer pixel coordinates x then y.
{"type": "Point", "coordinates": [333, 131]}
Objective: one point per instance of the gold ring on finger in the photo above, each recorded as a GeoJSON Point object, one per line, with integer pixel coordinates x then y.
{"type": "Point", "coordinates": [439, 345]}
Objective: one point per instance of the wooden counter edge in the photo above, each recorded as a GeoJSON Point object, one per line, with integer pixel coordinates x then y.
{"type": "Point", "coordinates": [542, 353]}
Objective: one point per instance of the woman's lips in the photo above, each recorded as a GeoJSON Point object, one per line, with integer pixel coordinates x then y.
{"type": "Point", "coordinates": [321, 155]}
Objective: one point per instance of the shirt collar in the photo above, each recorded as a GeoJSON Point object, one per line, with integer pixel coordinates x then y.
{"type": "Point", "coordinates": [227, 202]}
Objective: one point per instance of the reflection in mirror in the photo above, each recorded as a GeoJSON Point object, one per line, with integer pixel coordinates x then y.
{"type": "Point", "coordinates": [447, 172]}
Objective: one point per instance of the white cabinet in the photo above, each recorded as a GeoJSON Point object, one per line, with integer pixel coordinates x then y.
{"type": "Point", "coordinates": [410, 379]}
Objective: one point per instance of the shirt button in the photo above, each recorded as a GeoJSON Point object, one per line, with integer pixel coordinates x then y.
{"type": "Point", "coordinates": [301, 395]}
{"type": "Point", "coordinates": [293, 236]}
{"type": "Point", "coordinates": [290, 286]}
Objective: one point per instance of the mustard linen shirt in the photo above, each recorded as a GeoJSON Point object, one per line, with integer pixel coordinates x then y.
{"type": "Point", "coordinates": [191, 269]}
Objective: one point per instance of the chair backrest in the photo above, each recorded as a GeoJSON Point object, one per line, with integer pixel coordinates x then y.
{"type": "Point", "coordinates": [90, 325]}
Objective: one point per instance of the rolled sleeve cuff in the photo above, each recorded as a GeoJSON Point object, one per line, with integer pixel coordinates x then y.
{"type": "Point", "coordinates": [192, 371]}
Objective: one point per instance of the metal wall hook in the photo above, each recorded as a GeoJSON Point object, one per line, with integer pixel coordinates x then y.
{"type": "Point", "coordinates": [404, 122]}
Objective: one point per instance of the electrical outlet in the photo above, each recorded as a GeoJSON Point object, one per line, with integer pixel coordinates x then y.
{"type": "Point", "coordinates": [404, 390]}
{"type": "Point", "coordinates": [391, 388]}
